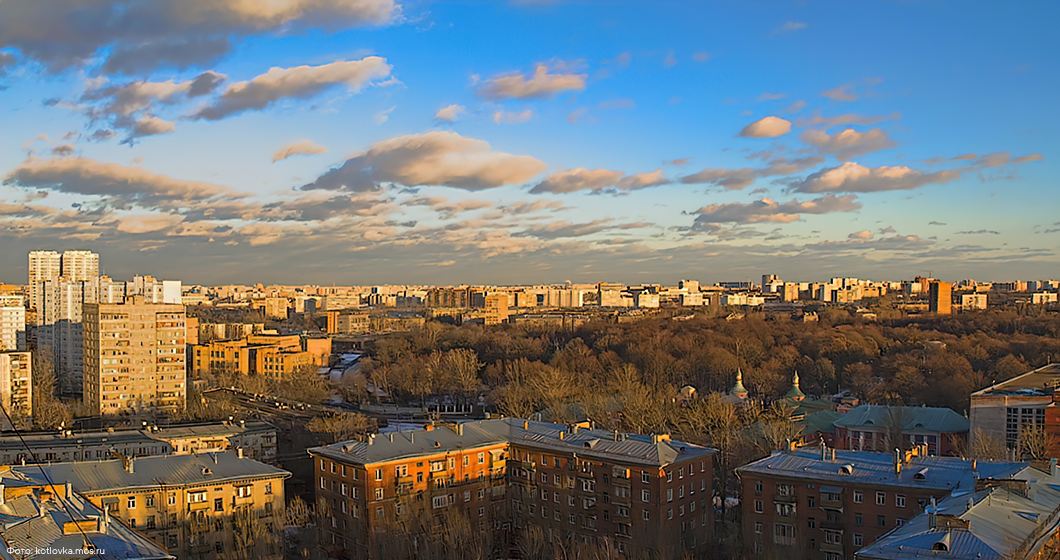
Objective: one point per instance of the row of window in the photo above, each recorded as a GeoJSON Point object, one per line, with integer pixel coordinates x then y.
{"type": "Point", "coordinates": [788, 490]}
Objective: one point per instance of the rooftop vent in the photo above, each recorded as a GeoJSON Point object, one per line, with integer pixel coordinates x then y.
{"type": "Point", "coordinates": [846, 469]}
{"type": "Point", "coordinates": [921, 474]}
{"type": "Point", "coordinates": [206, 471]}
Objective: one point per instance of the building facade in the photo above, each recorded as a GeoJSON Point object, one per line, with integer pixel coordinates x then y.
{"type": "Point", "coordinates": [882, 428]}
{"type": "Point", "coordinates": [940, 298]}
{"type": "Point", "coordinates": [134, 357]}
{"type": "Point", "coordinates": [509, 483]}
{"type": "Point", "coordinates": [16, 388]}
{"type": "Point", "coordinates": [824, 504]}
{"type": "Point", "coordinates": [204, 507]}
{"type": "Point", "coordinates": [1004, 409]}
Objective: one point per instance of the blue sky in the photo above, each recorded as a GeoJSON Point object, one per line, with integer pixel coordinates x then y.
{"type": "Point", "coordinates": [379, 141]}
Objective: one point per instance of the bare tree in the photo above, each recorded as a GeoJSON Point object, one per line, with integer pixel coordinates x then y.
{"type": "Point", "coordinates": [984, 446]}
{"type": "Point", "coordinates": [1033, 443]}
{"type": "Point", "coordinates": [341, 427]}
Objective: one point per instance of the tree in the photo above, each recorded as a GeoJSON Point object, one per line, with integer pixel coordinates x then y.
{"type": "Point", "coordinates": [1033, 443]}
{"type": "Point", "coordinates": [341, 427]}
{"type": "Point", "coordinates": [985, 446]}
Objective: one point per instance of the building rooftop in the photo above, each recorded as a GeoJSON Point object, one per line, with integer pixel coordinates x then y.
{"type": "Point", "coordinates": [602, 444]}
{"type": "Point", "coordinates": [992, 523]}
{"type": "Point", "coordinates": [910, 418]}
{"type": "Point", "coordinates": [1039, 382]}
{"type": "Point", "coordinates": [38, 440]}
{"type": "Point", "coordinates": [37, 524]}
{"type": "Point", "coordinates": [92, 476]}
{"type": "Point", "coordinates": [878, 469]}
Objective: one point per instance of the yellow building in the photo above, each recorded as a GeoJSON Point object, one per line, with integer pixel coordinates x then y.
{"type": "Point", "coordinates": [206, 507]}
{"type": "Point", "coordinates": [16, 386]}
{"type": "Point", "coordinates": [496, 309]}
{"type": "Point", "coordinates": [940, 299]}
{"type": "Point", "coordinates": [275, 356]}
{"type": "Point", "coordinates": [134, 356]}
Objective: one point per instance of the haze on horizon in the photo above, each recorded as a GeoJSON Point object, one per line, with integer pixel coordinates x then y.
{"type": "Point", "coordinates": [415, 142]}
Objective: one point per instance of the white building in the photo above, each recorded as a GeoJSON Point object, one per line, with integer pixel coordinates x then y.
{"type": "Point", "coordinates": [973, 301]}
{"type": "Point", "coordinates": [1043, 298]}
{"type": "Point", "coordinates": [12, 323]}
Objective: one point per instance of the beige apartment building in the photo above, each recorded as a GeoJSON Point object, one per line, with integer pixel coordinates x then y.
{"type": "Point", "coordinates": [134, 357]}
{"type": "Point", "coordinates": [216, 506]}
{"type": "Point", "coordinates": [16, 387]}
{"type": "Point", "coordinates": [272, 355]}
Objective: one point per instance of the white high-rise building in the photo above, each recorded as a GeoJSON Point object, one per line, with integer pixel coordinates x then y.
{"type": "Point", "coordinates": [43, 265]}
{"type": "Point", "coordinates": [12, 324]}
{"type": "Point", "coordinates": [80, 266]}
{"type": "Point", "coordinates": [59, 330]}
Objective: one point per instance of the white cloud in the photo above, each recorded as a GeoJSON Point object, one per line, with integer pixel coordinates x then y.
{"type": "Point", "coordinates": [769, 127]}
{"type": "Point", "coordinates": [383, 116]}
{"type": "Point", "coordinates": [840, 93]}
{"type": "Point", "coordinates": [792, 26]}
{"type": "Point", "coordinates": [737, 179]}
{"type": "Point", "coordinates": [431, 158]}
{"type": "Point", "coordinates": [596, 180]}
{"type": "Point", "coordinates": [768, 210]}
{"type": "Point", "coordinates": [300, 148]}
{"type": "Point", "coordinates": [300, 82]}
{"type": "Point", "coordinates": [541, 84]}
{"type": "Point", "coordinates": [138, 36]}
{"type": "Point", "coordinates": [771, 96]}
{"type": "Point", "coordinates": [864, 234]}
{"type": "Point", "coordinates": [701, 57]}
{"type": "Point", "coordinates": [450, 113]}
{"type": "Point", "coordinates": [851, 177]}
{"type": "Point", "coordinates": [506, 117]}
{"type": "Point", "coordinates": [849, 143]}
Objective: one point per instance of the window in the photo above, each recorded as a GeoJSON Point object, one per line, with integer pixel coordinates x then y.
{"type": "Point", "coordinates": [670, 476]}
{"type": "Point", "coordinates": [858, 520]}
{"type": "Point", "coordinates": [323, 483]}
{"type": "Point", "coordinates": [437, 466]}
{"type": "Point", "coordinates": [570, 501]}
{"type": "Point", "coordinates": [758, 487]}
{"type": "Point", "coordinates": [572, 519]}
{"type": "Point", "coordinates": [481, 493]}
{"type": "Point", "coordinates": [379, 493]}
{"type": "Point", "coordinates": [899, 522]}
{"type": "Point", "coordinates": [811, 501]}
{"type": "Point", "coordinates": [881, 499]}
{"type": "Point", "coordinates": [670, 513]}
{"type": "Point", "coordinates": [132, 502]}
{"type": "Point", "coordinates": [218, 504]}
{"type": "Point", "coordinates": [858, 497]}
{"type": "Point", "coordinates": [669, 494]}
{"type": "Point", "coordinates": [268, 485]}
{"type": "Point", "coordinates": [759, 508]}
{"type": "Point", "coordinates": [681, 473]}
{"type": "Point", "coordinates": [343, 470]}
{"type": "Point", "coordinates": [622, 492]}
{"type": "Point", "coordinates": [194, 497]}
{"type": "Point", "coordinates": [345, 489]}
{"type": "Point", "coordinates": [647, 515]}
{"type": "Point", "coordinates": [588, 485]}
{"type": "Point", "coordinates": [439, 501]}
{"type": "Point", "coordinates": [467, 460]}
{"type": "Point", "coordinates": [544, 478]}
{"type": "Point", "coordinates": [681, 491]}
{"type": "Point", "coordinates": [783, 534]}
{"type": "Point", "coordinates": [858, 539]}
{"type": "Point", "coordinates": [481, 458]}
{"type": "Point", "coordinates": [899, 501]}
{"type": "Point", "coordinates": [758, 527]}
{"type": "Point", "coordinates": [401, 470]}
{"type": "Point", "coordinates": [645, 496]}
{"type": "Point", "coordinates": [785, 489]}
{"type": "Point", "coordinates": [811, 523]}
{"type": "Point", "coordinates": [379, 474]}
{"type": "Point", "coordinates": [833, 537]}
{"type": "Point", "coordinates": [881, 520]}
{"type": "Point", "coordinates": [149, 501]}
{"type": "Point", "coordinates": [150, 521]}
{"type": "Point", "coordinates": [544, 495]}
{"type": "Point", "coordinates": [243, 491]}
{"type": "Point", "coordinates": [645, 477]}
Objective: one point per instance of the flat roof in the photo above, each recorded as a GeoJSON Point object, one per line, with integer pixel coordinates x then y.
{"type": "Point", "coordinates": [877, 469]}
{"type": "Point", "coordinates": [1038, 382]}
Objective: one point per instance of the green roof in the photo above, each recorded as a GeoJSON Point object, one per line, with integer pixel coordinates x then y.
{"type": "Point", "coordinates": [911, 418]}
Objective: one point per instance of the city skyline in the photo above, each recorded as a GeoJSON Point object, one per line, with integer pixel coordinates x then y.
{"type": "Point", "coordinates": [359, 142]}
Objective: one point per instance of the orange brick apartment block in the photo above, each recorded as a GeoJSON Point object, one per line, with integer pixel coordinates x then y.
{"type": "Point", "coordinates": [392, 495]}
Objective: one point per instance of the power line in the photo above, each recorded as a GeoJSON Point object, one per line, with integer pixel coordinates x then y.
{"type": "Point", "coordinates": [51, 484]}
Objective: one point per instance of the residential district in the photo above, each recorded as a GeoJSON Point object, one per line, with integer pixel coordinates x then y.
{"type": "Point", "coordinates": [148, 419]}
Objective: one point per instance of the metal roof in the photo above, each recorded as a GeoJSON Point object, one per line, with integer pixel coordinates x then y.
{"type": "Point", "coordinates": [35, 526]}
{"type": "Point", "coordinates": [131, 436]}
{"type": "Point", "coordinates": [602, 444]}
{"type": "Point", "coordinates": [150, 472]}
{"type": "Point", "coordinates": [867, 468]}
{"type": "Point", "coordinates": [1001, 524]}
{"type": "Point", "coordinates": [911, 418]}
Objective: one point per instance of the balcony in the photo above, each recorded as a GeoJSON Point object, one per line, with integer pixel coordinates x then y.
{"type": "Point", "coordinates": [833, 525]}
{"type": "Point", "coordinates": [528, 465]}
{"type": "Point", "coordinates": [831, 547]}
{"type": "Point", "coordinates": [782, 499]}
{"type": "Point", "coordinates": [783, 541]}
{"type": "Point", "coordinates": [831, 503]}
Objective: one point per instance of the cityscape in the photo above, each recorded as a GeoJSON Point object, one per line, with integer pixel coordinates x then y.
{"type": "Point", "coordinates": [528, 280]}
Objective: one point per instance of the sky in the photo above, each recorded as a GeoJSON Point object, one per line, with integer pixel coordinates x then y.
{"type": "Point", "coordinates": [352, 142]}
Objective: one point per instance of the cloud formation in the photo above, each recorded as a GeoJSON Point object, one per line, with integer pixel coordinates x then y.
{"type": "Point", "coordinates": [542, 83]}
{"type": "Point", "coordinates": [853, 178]}
{"type": "Point", "coordinates": [299, 82]}
{"type": "Point", "coordinates": [597, 180]}
{"type": "Point", "coordinates": [767, 210]}
{"type": "Point", "coordinates": [300, 148]}
{"type": "Point", "coordinates": [123, 186]}
{"type": "Point", "coordinates": [141, 35]}
{"type": "Point", "coordinates": [841, 93]}
{"type": "Point", "coordinates": [450, 113]}
{"type": "Point", "coordinates": [431, 158]}
{"type": "Point", "coordinates": [512, 117]}
{"type": "Point", "coordinates": [737, 179]}
{"type": "Point", "coordinates": [769, 127]}
{"type": "Point", "coordinates": [849, 143]}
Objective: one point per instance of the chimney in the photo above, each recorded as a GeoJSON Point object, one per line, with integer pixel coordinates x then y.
{"type": "Point", "coordinates": [975, 464]}
{"type": "Point", "coordinates": [562, 435]}
{"type": "Point", "coordinates": [69, 490]}
{"type": "Point", "coordinates": [526, 425]}
{"type": "Point", "coordinates": [574, 428]}
{"type": "Point", "coordinates": [239, 452]}
{"type": "Point", "coordinates": [460, 429]}
{"type": "Point", "coordinates": [824, 451]}
{"type": "Point", "coordinates": [390, 436]}
{"type": "Point", "coordinates": [616, 435]}
{"type": "Point", "coordinates": [214, 457]}
{"type": "Point", "coordinates": [129, 465]}
{"type": "Point", "coordinates": [897, 461]}
{"type": "Point", "coordinates": [2, 491]}
{"type": "Point", "coordinates": [371, 438]}
{"type": "Point", "coordinates": [833, 454]}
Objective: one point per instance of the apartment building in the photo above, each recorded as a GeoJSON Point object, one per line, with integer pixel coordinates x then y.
{"type": "Point", "coordinates": [825, 504]}
{"type": "Point", "coordinates": [257, 439]}
{"type": "Point", "coordinates": [12, 323]}
{"type": "Point", "coordinates": [510, 480]}
{"type": "Point", "coordinates": [80, 266]}
{"type": "Point", "coordinates": [940, 298]}
{"type": "Point", "coordinates": [1011, 520]}
{"type": "Point", "coordinates": [496, 309]}
{"type": "Point", "coordinates": [1002, 410]}
{"type": "Point", "coordinates": [16, 387]}
{"type": "Point", "coordinates": [871, 427]}
{"type": "Point", "coordinates": [271, 355]}
{"type": "Point", "coordinates": [973, 302]}
{"type": "Point", "coordinates": [195, 506]}
{"type": "Point", "coordinates": [42, 519]}
{"type": "Point", "coordinates": [134, 356]}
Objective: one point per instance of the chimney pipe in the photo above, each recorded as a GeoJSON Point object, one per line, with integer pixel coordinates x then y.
{"type": "Point", "coordinates": [562, 434]}
{"type": "Point", "coordinates": [239, 452]}
{"type": "Point", "coordinates": [460, 429]}
{"type": "Point", "coordinates": [897, 461]}
{"type": "Point", "coordinates": [526, 425]}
